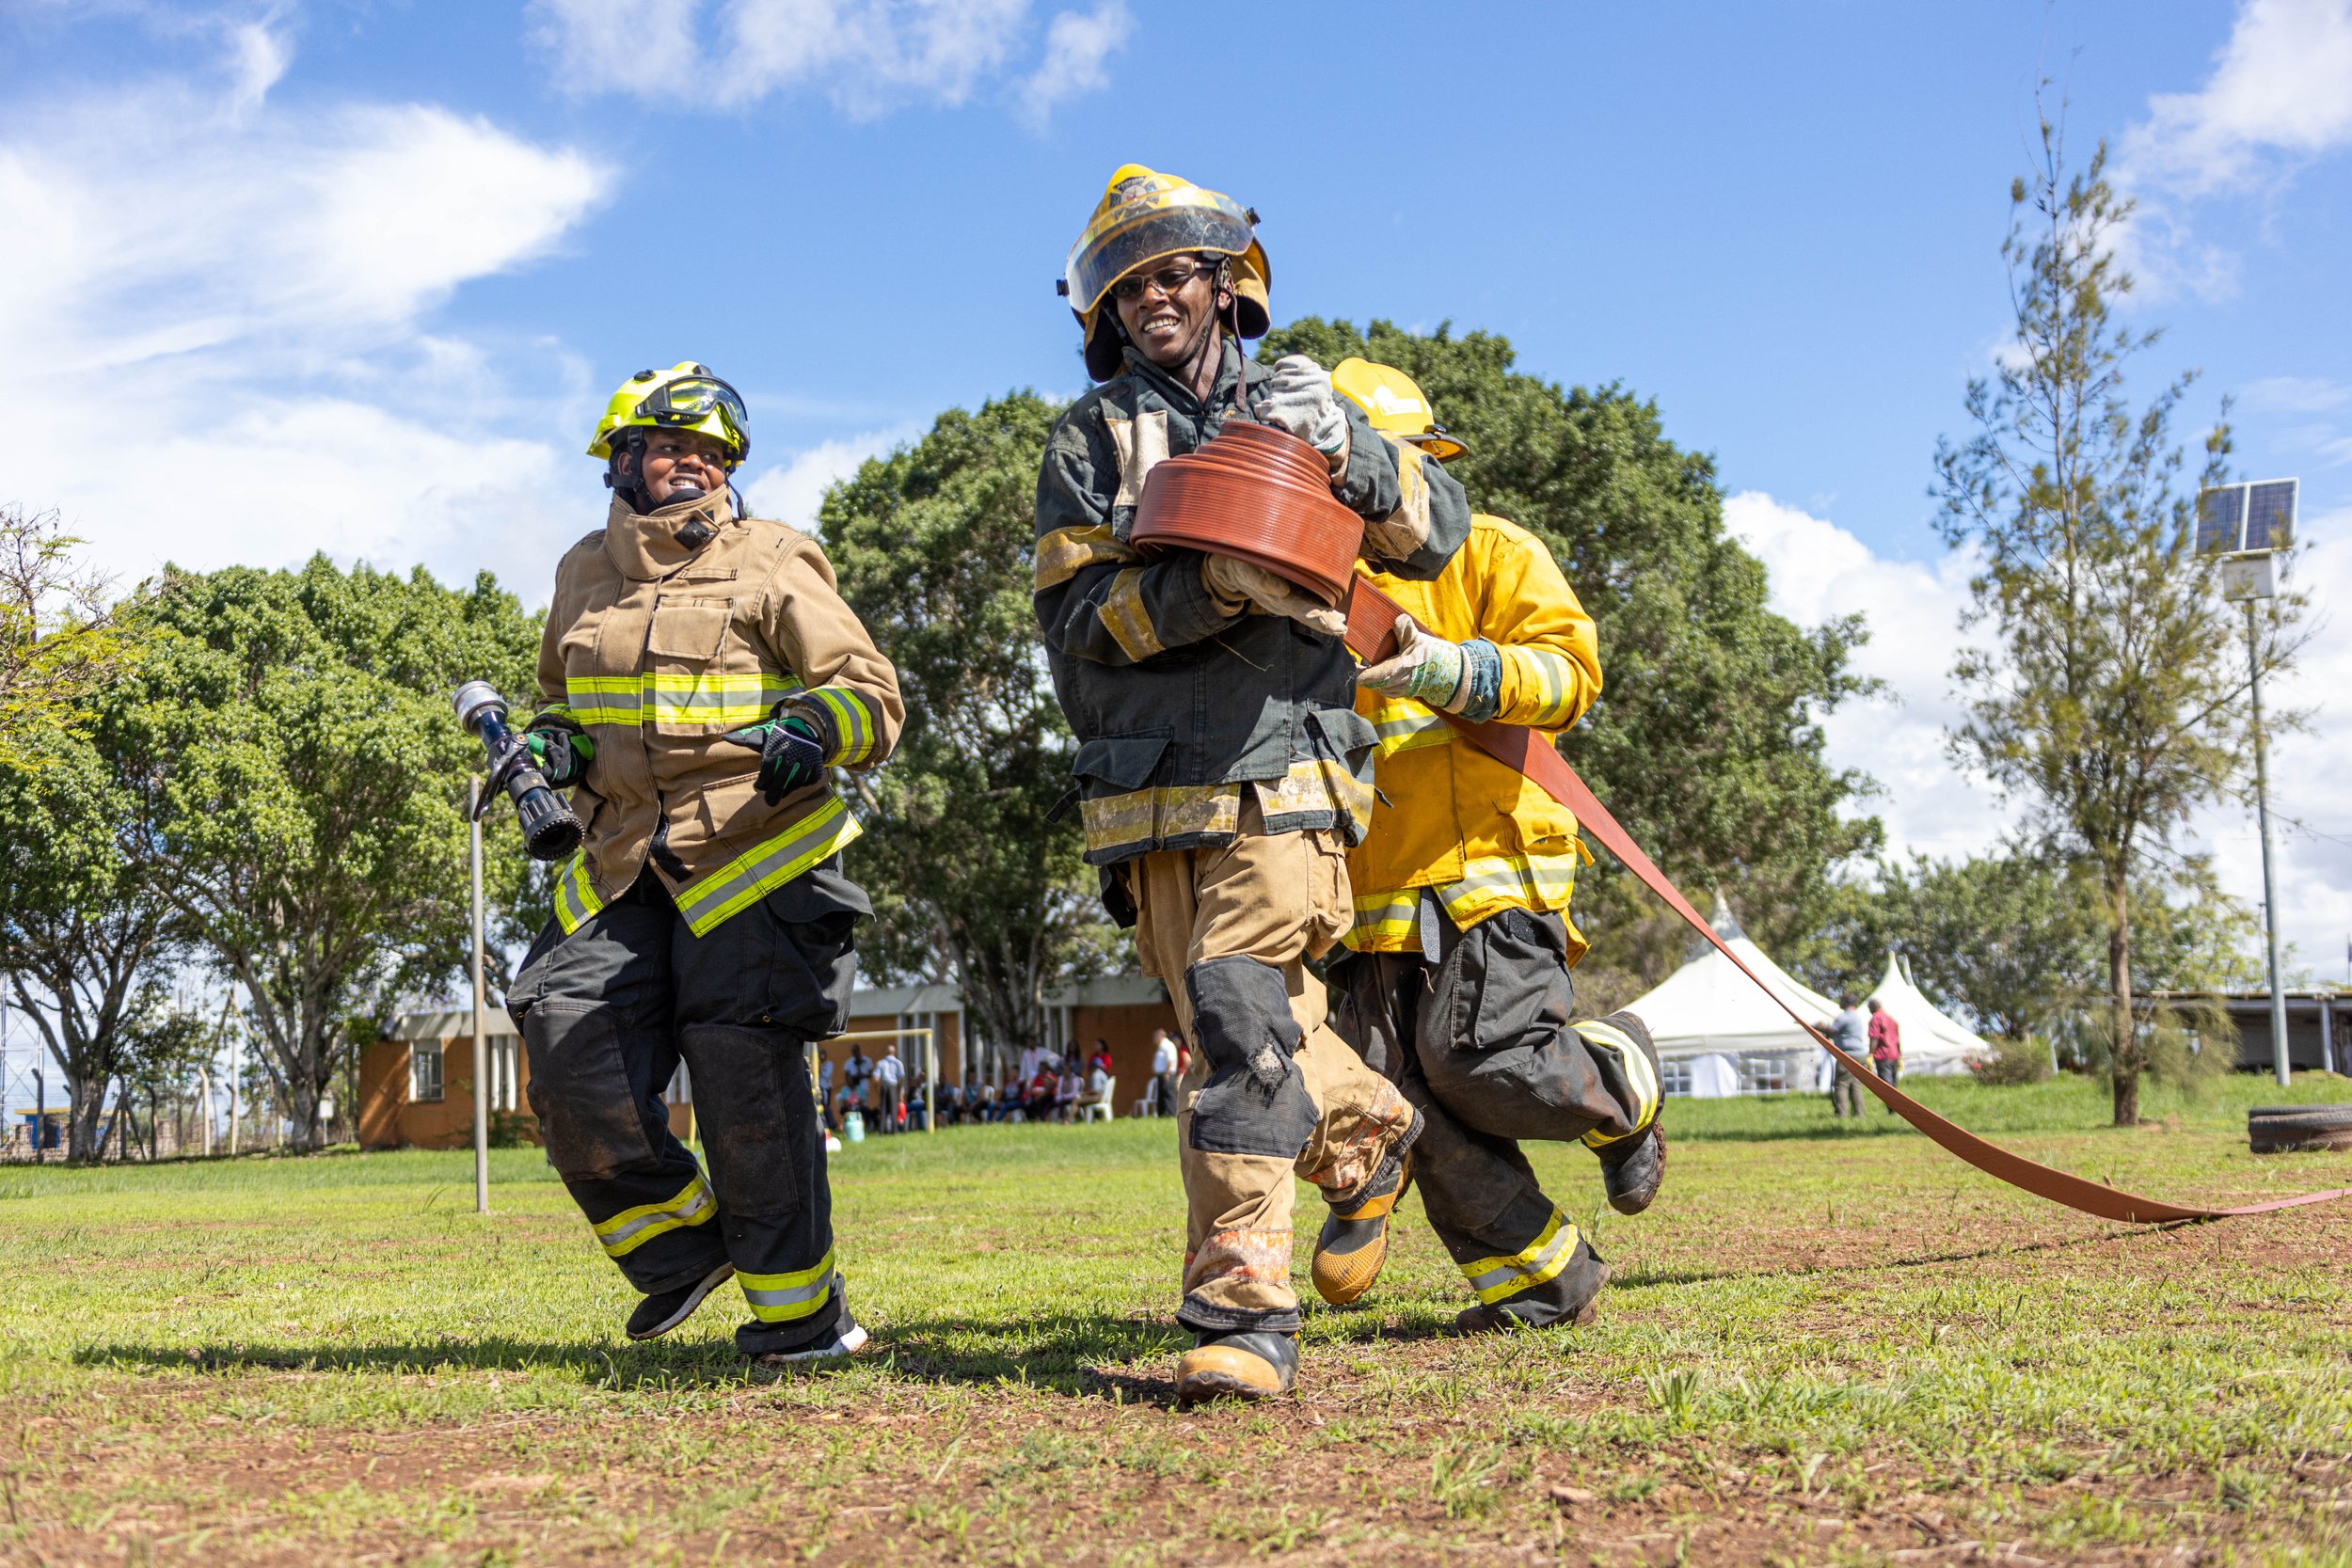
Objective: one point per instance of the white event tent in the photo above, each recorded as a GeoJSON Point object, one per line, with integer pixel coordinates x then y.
{"type": "Point", "coordinates": [1718, 1034]}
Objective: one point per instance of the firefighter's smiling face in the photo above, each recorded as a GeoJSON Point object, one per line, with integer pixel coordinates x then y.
{"type": "Point", "coordinates": [1167, 324]}
{"type": "Point", "coordinates": [682, 465]}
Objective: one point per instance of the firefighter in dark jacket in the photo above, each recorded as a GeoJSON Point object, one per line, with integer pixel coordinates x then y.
{"type": "Point", "coordinates": [701, 677]}
{"type": "Point", "coordinates": [1221, 768]}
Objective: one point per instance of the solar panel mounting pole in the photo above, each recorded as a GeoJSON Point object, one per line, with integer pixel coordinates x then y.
{"type": "Point", "coordinates": [481, 1023]}
{"type": "Point", "coordinates": [2280, 1067]}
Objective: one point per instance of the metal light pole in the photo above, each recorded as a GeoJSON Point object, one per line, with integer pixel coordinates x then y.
{"type": "Point", "coordinates": [2247, 525]}
{"type": "Point", "coordinates": [481, 1023]}
{"type": "Point", "coordinates": [2281, 1068]}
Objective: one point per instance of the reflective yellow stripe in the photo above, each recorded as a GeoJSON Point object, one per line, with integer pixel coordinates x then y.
{"type": "Point", "coordinates": [1067, 551]}
{"type": "Point", "coordinates": [1638, 1074]}
{"type": "Point", "coordinates": [764, 867]}
{"type": "Point", "coordinates": [1405, 725]}
{"type": "Point", "coordinates": [1499, 1278]}
{"type": "Point", "coordinates": [575, 895]}
{"type": "Point", "coordinates": [1509, 881]}
{"type": "Point", "coordinates": [1384, 922]}
{"type": "Point", "coordinates": [605, 699]}
{"type": "Point", "coordinates": [852, 723]}
{"type": "Point", "coordinates": [1126, 620]}
{"type": "Point", "coordinates": [777, 1298]}
{"type": "Point", "coordinates": [724, 700]}
{"type": "Point", "coordinates": [631, 1229]}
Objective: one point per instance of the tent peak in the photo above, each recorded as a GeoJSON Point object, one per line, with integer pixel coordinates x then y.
{"type": "Point", "coordinates": [1727, 924]}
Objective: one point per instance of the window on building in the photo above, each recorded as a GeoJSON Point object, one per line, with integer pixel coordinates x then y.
{"type": "Point", "coordinates": [505, 1089]}
{"type": "Point", "coordinates": [424, 1071]}
{"type": "Point", "coordinates": [1674, 1078]}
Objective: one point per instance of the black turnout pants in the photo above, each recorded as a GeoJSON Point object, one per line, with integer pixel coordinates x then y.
{"type": "Point", "coordinates": [607, 1012]}
{"type": "Point", "coordinates": [1480, 1042]}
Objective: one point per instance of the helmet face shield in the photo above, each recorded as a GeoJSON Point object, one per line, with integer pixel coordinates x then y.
{"type": "Point", "coordinates": [1158, 225]}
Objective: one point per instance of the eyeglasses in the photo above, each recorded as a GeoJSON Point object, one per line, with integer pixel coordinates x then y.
{"type": "Point", "coordinates": [1167, 280]}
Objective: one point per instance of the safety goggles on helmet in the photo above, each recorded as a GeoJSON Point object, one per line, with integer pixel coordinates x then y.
{"type": "Point", "coordinates": [690, 399]}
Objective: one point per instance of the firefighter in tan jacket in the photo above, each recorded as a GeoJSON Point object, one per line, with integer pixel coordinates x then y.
{"type": "Point", "coordinates": [701, 675]}
{"type": "Point", "coordinates": [1457, 985]}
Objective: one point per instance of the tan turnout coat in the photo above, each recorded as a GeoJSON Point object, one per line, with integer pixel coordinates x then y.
{"type": "Point", "coordinates": [655, 651]}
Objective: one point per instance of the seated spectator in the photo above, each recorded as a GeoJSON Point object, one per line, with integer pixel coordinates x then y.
{"type": "Point", "coordinates": [1101, 1061]}
{"type": "Point", "coordinates": [1066, 1088]}
{"type": "Point", "coordinates": [1037, 1099]}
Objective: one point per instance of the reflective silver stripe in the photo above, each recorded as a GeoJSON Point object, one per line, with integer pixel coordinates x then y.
{"type": "Point", "coordinates": [751, 874]}
{"type": "Point", "coordinates": [1639, 1076]}
{"type": "Point", "coordinates": [605, 699]}
{"type": "Point", "coordinates": [780, 1297]}
{"type": "Point", "coordinates": [1545, 879]}
{"type": "Point", "coordinates": [1499, 1278]}
{"type": "Point", "coordinates": [853, 723]}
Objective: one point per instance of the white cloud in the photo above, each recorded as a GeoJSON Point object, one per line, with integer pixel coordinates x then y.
{"type": "Point", "coordinates": [791, 490]}
{"type": "Point", "coordinates": [1819, 570]}
{"type": "Point", "coordinates": [2281, 95]}
{"type": "Point", "coordinates": [868, 58]}
{"type": "Point", "coordinates": [2281, 85]}
{"type": "Point", "coordinates": [237, 296]}
{"type": "Point", "coordinates": [1076, 45]}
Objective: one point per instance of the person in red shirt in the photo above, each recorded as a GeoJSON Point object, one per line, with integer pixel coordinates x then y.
{"type": "Point", "coordinates": [1887, 1046]}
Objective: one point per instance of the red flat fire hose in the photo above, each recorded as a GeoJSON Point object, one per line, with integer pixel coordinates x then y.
{"type": "Point", "coordinates": [1371, 632]}
{"type": "Point", "coordinates": [1241, 495]}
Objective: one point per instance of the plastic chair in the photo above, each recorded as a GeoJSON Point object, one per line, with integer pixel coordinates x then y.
{"type": "Point", "coordinates": [1100, 1106]}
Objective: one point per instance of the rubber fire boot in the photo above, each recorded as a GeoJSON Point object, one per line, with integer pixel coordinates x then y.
{"type": "Point", "coordinates": [1499, 1318]}
{"type": "Point", "coordinates": [1354, 1242]}
{"type": "Point", "coordinates": [1254, 1365]}
{"type": "Point", "coordinates": [664, 1310]}
{"type": "Point", "coordinates": [1632, 1170]}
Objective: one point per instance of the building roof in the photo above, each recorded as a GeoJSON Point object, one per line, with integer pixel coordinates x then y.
{"type": "Point", "coordinates": [451, 1024]}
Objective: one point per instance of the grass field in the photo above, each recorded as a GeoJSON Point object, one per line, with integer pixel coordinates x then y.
{"type": "Point", "coordinates": [1827, 1343]}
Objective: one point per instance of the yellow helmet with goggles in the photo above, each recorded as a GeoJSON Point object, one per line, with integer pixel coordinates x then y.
{"type": "Point", "coordinates": [1395, 405]}
{"type": "Point", "coordinates": [1146, 216]}
{"type": "Point", "coordinates": [686, 396]}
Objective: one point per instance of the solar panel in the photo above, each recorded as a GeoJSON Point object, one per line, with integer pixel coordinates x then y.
{"type": "Point", "coordinates": [2221, 519]}
{"type": "Point", "coordinates": [2270, 515]}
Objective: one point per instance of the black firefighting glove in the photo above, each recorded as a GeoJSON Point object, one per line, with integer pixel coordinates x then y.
{"type": "Point", "coordinates": [561, 755]}
{"type": "Point", "coordinates": [791, 757]}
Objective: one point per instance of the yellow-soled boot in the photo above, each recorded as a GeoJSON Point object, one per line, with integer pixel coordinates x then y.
{"type": "Point", "coordinates": [1354, 1241]}
{"type": "Point", "coordinates": [1256, 1363]}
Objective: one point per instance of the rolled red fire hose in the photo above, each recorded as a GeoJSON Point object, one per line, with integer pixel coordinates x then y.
{"type": "Point", "coordinates": [1245, 502]}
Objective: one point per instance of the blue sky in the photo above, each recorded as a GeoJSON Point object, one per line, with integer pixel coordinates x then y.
{"type": "Point", "coordinates": [358, 274]}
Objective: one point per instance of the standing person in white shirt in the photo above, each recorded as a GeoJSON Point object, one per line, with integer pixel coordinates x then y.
{"type": "Point", "coordinates": [890, 1081]}
{"type": "Point", "coordinates": [1164, 1073]}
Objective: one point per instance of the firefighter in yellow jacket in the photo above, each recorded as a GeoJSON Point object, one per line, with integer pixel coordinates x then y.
{"type": "Point", "coordinates": [701, 675]}
{"type": "Point", "coordinates": [1456, 981]}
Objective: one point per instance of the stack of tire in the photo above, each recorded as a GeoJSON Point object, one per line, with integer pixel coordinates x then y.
{"type": "Point", "coordinates": [2277, 1129]}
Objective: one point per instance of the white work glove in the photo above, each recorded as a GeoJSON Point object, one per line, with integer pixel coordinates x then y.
{"type": "Point", "coordinates": [1299, 400]}
{"type": "Point", "coordinates": [1425, 667]}
{"type": "Point", "coordinates": [1237, 585]}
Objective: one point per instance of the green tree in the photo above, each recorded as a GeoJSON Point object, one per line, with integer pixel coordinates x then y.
{"type": "Point", "coordinates": [1705, 741]}
{"type": "Point", "coordinates": [312, 793]}
{"type": "Point", "coordinates": [87, 922]}
{"type": "Point", "coordinates": [60, 641]}
{"type": "Point", "coordinates": [2003, 939]}
{"type": "Point", "coordinates": [2110, 699]}
{"type": "Point", "coordinates": [974, 878]}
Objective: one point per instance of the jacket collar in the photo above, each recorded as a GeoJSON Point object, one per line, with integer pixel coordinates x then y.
{"type": "Point", "coordinates": [1231, 367]}
{"type": "Point", "coordinates": [647, 548]}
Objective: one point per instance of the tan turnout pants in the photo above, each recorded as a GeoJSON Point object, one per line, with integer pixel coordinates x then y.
{"type": "Point", "coordinates": [1277, 899]}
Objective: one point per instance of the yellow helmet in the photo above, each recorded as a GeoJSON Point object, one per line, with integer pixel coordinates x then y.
{"type": "Point", "coordinates": [1146, 216]}
{"type": "Point", "coordinates": [1395, 405]}
{"type": "Point", "coordinates": [686, 396]}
